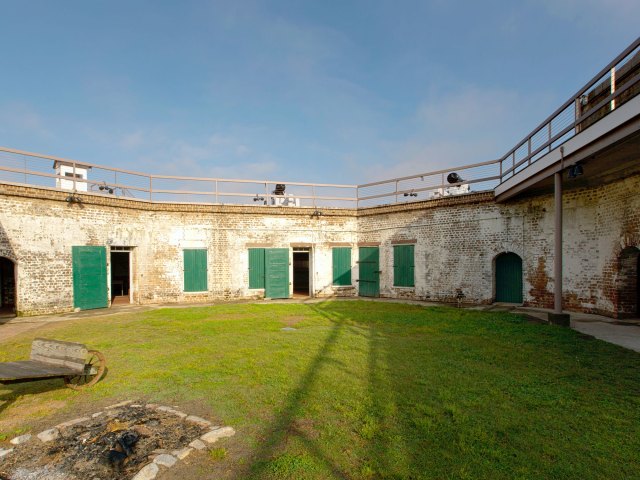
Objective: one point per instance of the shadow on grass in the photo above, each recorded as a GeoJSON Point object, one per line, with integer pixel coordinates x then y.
{"type": "Point", "coordinates": [449, 394]}
{"type": "Point", "coordinates": [376, 428]}
{"type": "Point", "coordinates": [284, 424]}
{"type": "Point", "coordinates": [12, 392]}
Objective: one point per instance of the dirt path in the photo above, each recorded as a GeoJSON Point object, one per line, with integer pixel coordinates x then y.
{"type": "Point", "coordinates": [10, 330]}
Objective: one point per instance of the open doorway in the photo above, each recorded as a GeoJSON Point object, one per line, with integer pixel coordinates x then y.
{"type": "Point", "coordinates": [7, 288]}
{"type": "Point", "coordinates": [301, 272]}
{"type": "Point", "coordinates": [120, 275]}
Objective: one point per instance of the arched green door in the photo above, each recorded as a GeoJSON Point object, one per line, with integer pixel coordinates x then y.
{"type": "Point", "coordinates": [508, 278]}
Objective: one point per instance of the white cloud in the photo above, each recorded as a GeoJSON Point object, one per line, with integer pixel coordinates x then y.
{"type": "Point", "coordinates": [132, 140]}
{"type": "Point", "coordinates": [606, 14]}
{"type": "Point", "coordinates": [218, 156]}
{"type": "Point", "coordinates": [19, 119]}
{"type": "Point", "coordinates": [467, 126]}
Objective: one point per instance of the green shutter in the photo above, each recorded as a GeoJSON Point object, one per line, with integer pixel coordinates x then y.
{"type": "Point", "coordinates": [256, 268]}
{"type": "Point", "coordinates": [195, 270]}
{"type": "Point", "coordinates": [342, 266]}
{"type": "Point", "coordinates": [403, 266]}
{"type": "Point", "coordinates": [89, 277]}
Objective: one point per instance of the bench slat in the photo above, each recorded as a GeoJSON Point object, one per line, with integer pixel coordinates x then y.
{"type": "Point", "coordinates": [32, 369]}
{"type": "Point", "coordinates": [56, 352]}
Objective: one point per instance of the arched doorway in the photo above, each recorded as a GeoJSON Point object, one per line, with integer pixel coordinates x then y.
{"type": "Point", "coordinates": [628, 283]}
{"type": "Point", "coordinates": [508, 278]}
{"type": "Point", "coordinates": [7, 287]}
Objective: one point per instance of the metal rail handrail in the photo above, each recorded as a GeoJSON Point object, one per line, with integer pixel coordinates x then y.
{"type": "Point", "coordinates": [151, 191]}
{"type": "Point", "coordinates": [427, 174]}
{"type": "Point", "coordinates": [576, 121]}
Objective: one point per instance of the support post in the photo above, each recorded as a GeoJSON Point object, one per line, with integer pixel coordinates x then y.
{"type": "Point", "coordinates": [557, 317]}
{"type": "Point", "coordinates": [557, 262]}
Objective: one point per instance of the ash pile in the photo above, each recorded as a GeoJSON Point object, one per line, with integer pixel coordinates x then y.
{"type": "Point", "coordinates": [112, 445]}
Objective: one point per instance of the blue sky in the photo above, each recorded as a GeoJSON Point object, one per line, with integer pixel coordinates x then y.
{"type": "Point", "coordinates": [323, 91]}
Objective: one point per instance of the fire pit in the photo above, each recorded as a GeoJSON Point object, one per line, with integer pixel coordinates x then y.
{"type": "Point", "coordinates": [125, 441]}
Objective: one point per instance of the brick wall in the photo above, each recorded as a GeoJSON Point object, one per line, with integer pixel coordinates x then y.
{"type": "Point", "coordinates": [456, 242]}
{"type": "Point", "coordinates": [458, 239]}
{"type": "Point", "coordinates": [38, 228]}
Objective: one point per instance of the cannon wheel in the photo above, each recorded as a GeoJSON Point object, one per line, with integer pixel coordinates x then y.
{"type": "Point", "coordinates": [95, 362]}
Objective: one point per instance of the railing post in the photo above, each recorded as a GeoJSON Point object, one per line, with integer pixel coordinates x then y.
{"type": "Point", "coordinates": [549, 136]}
{"type": "Point", "coordinates": [74, 176]}
{"type": "Point", "coordinates": [613, 87]}
{"type": "Point", "coordinates": [396, 191]}
{"type": "Point", "coordinates": [150, 188]}
{"type": "Point", "coordinates": [529, 151]}
{"type": "Point", "coordinates": [313, 194]}
{"type": "Point", "coordinates": [217, 201]}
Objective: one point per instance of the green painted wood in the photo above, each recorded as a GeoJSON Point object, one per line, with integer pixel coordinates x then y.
{"type": "Point", "coordinates": [256, 268]}
{"type": "Point", "coordinates": [369, 269]}
{"type": "Point", "coordinates": [341, 266]}
{"type": "Point", "coordinates": [89, 277]}
{"type": "Point", "coordinates": [509, 278]}
{"type": "Point", "coordinates": [195, 269]}
{"type": "Point", "coordinates": [403, 266]}
{"type": "Point", "coordinates": [277, 272]}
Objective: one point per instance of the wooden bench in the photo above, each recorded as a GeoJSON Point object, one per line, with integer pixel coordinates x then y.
{"type": "Point", "coordinates": [73, 362]}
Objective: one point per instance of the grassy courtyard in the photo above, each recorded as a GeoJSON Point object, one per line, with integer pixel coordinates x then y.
{"type": "Point", "coordinates": [361, 390]}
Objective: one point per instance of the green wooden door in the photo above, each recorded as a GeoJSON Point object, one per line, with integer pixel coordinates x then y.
{"type": "Point", "coordinates": [89, 277]}
{"type": "Point", "coordinates": [369, 266]}
{"type": "Point", "coordinates": [276, 273]}
{"type": "Point", "coordinates": [508, 278]}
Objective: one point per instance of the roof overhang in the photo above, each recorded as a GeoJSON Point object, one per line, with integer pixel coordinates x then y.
{"type": "Point", "coordinates": [608, 149]}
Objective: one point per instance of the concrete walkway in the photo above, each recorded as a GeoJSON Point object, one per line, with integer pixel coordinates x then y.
{"type": "Point", "coordinates": [624, 333]}
{"type": "Point", "coordinates": [13, 326]}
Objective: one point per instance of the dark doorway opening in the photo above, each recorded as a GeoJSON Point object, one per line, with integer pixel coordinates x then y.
{"type": "Point", "coordinates": [629, 283]}
{"type": "Point", "coordinates": [7, 288]}
{"type": "Point", "coordinates": [120, 277]}
{"type": "Point", "coordinates": [301, 272]}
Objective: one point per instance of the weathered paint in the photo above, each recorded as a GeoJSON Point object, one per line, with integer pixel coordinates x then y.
{"type": "Point", "coordinates": [456, 242]}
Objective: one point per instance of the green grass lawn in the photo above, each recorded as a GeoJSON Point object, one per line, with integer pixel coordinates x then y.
{"type": "Point", "coordinates": [366, 389]}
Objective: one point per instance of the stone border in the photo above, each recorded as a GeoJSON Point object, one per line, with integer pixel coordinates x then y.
{"type": "Point", "coordinates": [164, 460]}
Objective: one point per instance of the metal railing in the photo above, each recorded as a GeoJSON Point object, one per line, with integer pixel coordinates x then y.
{"type": "Point", "coordinates": [430, 185]}
{"type": "Point", "coordinates": [32, 169]}
{"type": "Point", "coordinates": [614, 85]}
